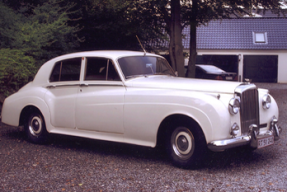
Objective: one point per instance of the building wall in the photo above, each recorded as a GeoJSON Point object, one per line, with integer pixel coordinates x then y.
{"type": "Point", "coordinates": [282, 59]}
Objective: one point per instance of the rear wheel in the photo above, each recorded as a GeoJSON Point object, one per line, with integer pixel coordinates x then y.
{"type": "Point", "coordinates": [185, 146]}
{"type": "Point", "coordinates": [35, 128]}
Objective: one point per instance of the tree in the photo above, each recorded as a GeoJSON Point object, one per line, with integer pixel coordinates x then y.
{"type": "Point", "coordinates": [16, 69]}
{"type": "Point", "coordinates": [31, 36]}
{"type": "Point", "coordinates": [114, 24]}
{"type": "Point", "coordinates": [176, 47]}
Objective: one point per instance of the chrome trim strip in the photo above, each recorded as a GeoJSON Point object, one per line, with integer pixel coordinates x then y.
{"type": "Point", "coordinates": [103, 85]}
{"type": "Point", "coordinates": [82, 85]}
{"type": "Point", "coordinates": [61, 85]}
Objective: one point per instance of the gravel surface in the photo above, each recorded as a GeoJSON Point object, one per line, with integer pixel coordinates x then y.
{"type": "Point", "coordinates": [76, 164]}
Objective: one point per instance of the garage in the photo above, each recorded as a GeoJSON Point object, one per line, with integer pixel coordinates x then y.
{"type": "Point", "coordinates": [260, 68]}
{"type": "Point", "coordinates": [253, 47]}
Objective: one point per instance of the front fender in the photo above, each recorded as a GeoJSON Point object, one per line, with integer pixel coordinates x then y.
{"type": "Point", "coordinates": [145, 110]}
{"type": "Point", "coordinates": [210, 113]}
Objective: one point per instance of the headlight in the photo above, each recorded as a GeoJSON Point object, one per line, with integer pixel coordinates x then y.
{"type": "Point", "coordinates": [266, 101]}
{"type": "Point", "coordinates": [234, 106]}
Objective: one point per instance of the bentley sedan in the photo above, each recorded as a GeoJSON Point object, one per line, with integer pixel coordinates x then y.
{"type": "Point", "coordinates": [136, 98]}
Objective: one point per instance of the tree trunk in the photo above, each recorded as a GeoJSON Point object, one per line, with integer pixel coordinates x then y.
{"type": "Point", "coordinates": [175, 46]}
{"type": "Point", "coordinates": [192, 50]}
{"type": "Point", "coordinates": [192, 45]}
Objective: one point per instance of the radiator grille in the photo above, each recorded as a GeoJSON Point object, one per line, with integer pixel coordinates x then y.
{"type": "Point", "coordinates": [249, 109]}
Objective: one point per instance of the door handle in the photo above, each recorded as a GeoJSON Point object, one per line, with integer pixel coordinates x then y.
{"type": "Point", "coordinates": [84, 85]}
{"type": "Point", "coordinates": [51, 86]}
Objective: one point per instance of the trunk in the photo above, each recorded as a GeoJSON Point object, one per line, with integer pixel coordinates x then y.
{"type": "Point", "coordinates": [192, 45]}
{"type": "Point", "coordinates": [175, 47]}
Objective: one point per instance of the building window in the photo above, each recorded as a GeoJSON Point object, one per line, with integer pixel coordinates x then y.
{"type": "Point", "coordinates": [260, 38]}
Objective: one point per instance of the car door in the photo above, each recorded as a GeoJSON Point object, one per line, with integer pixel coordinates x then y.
{"type": "Point", "coordinates": [62, 92]}
{"type": "Point", "coordinates": [100, 101]}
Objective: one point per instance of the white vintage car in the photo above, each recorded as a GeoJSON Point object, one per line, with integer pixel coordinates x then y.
{"type": "Point", "coordinates": [135, 97]}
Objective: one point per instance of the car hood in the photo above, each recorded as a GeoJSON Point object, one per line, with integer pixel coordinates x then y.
{"type": "Point", "coordinates": [179, 83]}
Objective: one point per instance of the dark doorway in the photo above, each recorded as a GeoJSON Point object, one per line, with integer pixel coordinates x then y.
{"type": "Point", "coordinates": [260, 68]}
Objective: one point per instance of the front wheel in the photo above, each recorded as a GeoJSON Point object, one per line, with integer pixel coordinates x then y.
{"type": "Point", "coordinates": [35, 128]}
{"type": "Point", "coordinates": [185, 147]}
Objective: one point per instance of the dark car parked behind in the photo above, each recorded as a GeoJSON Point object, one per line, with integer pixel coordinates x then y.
{"type": "Point", "coordinates": [212, 72]}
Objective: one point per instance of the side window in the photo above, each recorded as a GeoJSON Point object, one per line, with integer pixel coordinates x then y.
{"type": "Point", "coordinates": [100, 69]}
{"type": "Point", "coordinates": [66, 70]}
{"type": "Point", "coordinates": [112, 73]}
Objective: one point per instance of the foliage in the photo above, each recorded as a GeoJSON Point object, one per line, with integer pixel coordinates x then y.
{"type": "Point", "coordinates": [114, 24]}
{"type": "Point", "coordinates": [16, 69]}
{"type": "Point", "coordinates": [9, 26]}
{"type": "Point", "coordinates": [36, 33]}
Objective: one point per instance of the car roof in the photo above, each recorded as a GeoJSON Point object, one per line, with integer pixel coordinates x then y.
{"type": "Point", "coordinates": [43, 73]}
{"type": "Point", "coordinates": [113, 54]}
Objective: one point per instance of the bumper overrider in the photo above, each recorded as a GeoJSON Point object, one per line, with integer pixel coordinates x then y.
{"type": "Point", "coordinates": [251, 138]}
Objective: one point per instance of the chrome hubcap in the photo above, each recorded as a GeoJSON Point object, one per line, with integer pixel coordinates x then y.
{"type": "Point", "coordinates": [35, 125]}
{"type": "Point", "coordinates": [182, 142]}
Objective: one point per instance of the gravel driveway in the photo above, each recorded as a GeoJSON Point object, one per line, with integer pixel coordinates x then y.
{"type": "Point", "coordinates": [76, 164]}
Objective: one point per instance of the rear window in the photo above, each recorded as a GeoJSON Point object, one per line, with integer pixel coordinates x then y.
{"type": "Point", "coordinates": [66, 70]}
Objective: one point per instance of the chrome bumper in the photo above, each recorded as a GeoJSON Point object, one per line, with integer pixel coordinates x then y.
{"type": "Point", "coordinates": [250, 139]}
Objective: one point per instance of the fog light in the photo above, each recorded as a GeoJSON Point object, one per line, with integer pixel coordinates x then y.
{"type": "Point", "coordinates": [234, 130]}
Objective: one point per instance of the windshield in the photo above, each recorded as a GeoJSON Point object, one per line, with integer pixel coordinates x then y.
{"type": "Point", "coordinates": [144, 65]}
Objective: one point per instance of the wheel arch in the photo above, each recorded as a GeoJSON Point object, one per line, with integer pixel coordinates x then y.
{"type": "Point", "coordinates": [26, 111]}
{"type": "Point", "coordinates": [170, 121]}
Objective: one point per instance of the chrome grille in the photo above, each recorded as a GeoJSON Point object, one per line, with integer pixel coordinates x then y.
{"type": "Point", "coordinates": [249, 109]}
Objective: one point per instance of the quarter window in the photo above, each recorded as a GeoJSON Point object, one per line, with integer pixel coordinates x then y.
{"type": "Point", "coordinates": [66, 70]}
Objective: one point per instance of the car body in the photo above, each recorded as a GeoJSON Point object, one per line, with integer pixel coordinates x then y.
{"type": "Point", "coordinates": [135, 98]}
{"type": "Point", "coordinates": [204, 71]}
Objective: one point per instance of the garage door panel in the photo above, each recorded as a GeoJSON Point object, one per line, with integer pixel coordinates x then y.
{"type": "Point", "coordinates": [260, 68]}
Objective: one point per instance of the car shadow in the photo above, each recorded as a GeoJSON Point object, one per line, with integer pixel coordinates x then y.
{"type": "Point", "coordinates": [214, 160]}
{"type": "Point", "coordinates": [107, 147]}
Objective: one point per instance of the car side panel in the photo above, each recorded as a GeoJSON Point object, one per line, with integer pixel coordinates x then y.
{"type": "Point", "coordinates": [99, 107]}
{"type": "Point", "coordinates": [61, 101]}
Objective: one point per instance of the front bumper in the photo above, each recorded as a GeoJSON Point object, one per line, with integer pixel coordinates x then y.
{"type": "Point", "coordinates": [250, 139]}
